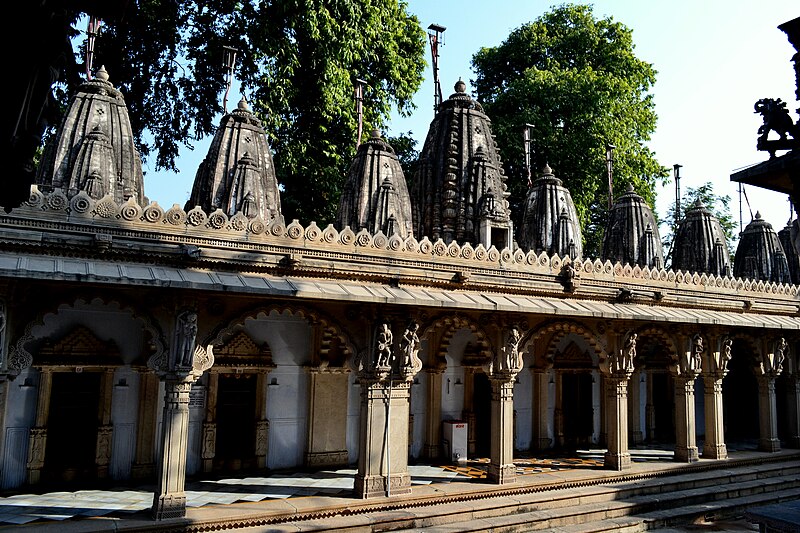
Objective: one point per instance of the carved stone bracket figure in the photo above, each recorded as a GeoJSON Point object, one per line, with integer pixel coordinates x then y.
{"type": "Point", "coordinates": [383, 348]}
{"type": "Point", "coordinates": [776, 118]}
{"type": "Point", "coordinates": [568, 277]}
{"type": "Point", "coordinates": [409, 350]}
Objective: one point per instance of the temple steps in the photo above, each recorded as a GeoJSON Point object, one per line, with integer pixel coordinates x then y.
{"type": "Point", "coordinates": [623, 506]}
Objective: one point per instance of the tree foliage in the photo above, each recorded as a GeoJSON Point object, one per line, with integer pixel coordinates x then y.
{"type": "Point", "coordinates": [719, 207]}
{"type": "Point", "coordinates": [297, 61]}
{"type": "Point", "coordinates": [576, 79]}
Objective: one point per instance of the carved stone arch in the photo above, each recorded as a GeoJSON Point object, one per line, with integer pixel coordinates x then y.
{"type": "Point", "coordinates": [754, 344]}
{"type": "Point", "coordinates": [20, 358]}
{"type": "Point", "coordinates": [645, 351]}
{"type": "Point", "coordinates": [331, 330]}
{"type": "Point", "coordinates": [552, 332]}
{"type": "Point", "coordinates": [80, 347]}
{"type": "Point", "coordinates": [448, 325]}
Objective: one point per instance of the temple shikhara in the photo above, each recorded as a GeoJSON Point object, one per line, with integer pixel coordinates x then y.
{"type": "Point", "coordinates": [150, 343]}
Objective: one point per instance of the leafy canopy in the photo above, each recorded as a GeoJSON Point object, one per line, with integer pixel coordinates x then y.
{"type": "Point", "coordinates": [575, 78]}
{"type": "Point", "coordinates": [297, 62]}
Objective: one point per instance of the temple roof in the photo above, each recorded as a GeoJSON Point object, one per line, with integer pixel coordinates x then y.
{"type": "Point", "coordinates": [700, 244]}
{"type": "Point", "coordinates": [237, 175]}
{"type": "Point", "coordinates": [93, 150]}
{"type": "Point", "coordinates": [375, 195]}
{"type": "Point", "coordinates": [792, 258]}
{"type": "Point", "coordinates": [760, 255]}
{"type": "Point", "coordinates": [631, 234]}
{"type": "Point", "coordinates": [549, 221]}
{"type": "Point", "coordinates": [459, 187]}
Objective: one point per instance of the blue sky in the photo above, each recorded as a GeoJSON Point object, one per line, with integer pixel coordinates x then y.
{"type": "Point", "coordinates": [714, 59]}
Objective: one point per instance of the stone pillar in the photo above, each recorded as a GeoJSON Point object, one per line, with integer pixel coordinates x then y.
{"type": "Point", "coordinates": [105, 429]}
{"type": "Point", "coordinates": [650, 409]}
{"type": "Point", "coordinates": [617, 368]}
{"type": "Point", "coordinates": [715, 367]}
{"type": "Point", "coordinates": [558, 412]}
{"type": "Point", "coordinates": [634, 409]}
{"type": "Point", "coordinates": [502, 372]}
{"type": "Point", "coordinates": [501, 458]}
{"type": "Point", "coordinates": [144, 460]}
{"type": "Point", "coordinates": [468, 413]}
{"type": "Point", "coordinates": [385, 377]}
{"type": "Point", "coordinates": [178, 369]}
{"type": "Point", "coordinates": [433, 420]}
{"type": "Point", "coordinates": [209, 440]}
{"type": "Point", "coordinates": [541, 437]}
{"type": "Point", "coordinates": [37, 442]}
{"type": "Point", "coordinates": [262, 424]}
{"type": "Point", "coordinates": [327, 420]}
{"type": "Point", "coordinates": [685, 370]}
{"type": "Point", "coordinates": [769, 368]}
{"type": "Point", "coordinates": [793, 410]}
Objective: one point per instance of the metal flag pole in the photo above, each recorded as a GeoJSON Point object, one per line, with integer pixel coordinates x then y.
{"type": "Point", "coordinates": [229, 61]}
{"type": "Point", "coordinates": [610, 168]}
{"type": "Point", "coordinates": [92, 30]}
{"type": "Point", "coordinates": [526, 143]}
{"type": "Point", "coordinates": [358, 85]}
{"type": "Point", "coordinates": [435, 38]}
{"type": "Point", "coordinates": [677, 170]}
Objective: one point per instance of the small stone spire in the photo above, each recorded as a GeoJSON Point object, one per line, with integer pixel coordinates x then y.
{"type": "Point", "coordinates": [375, 195]}
{"type": "Point", "coordinates": [93, 150]}
{"type": "Point", "coordinates": [700, 244]}
{"type": "Point", "coordinates": [237, 175]}
{"type": "Point", "coordinates": [760, 255]}
{"type": "Point", "coordinates": [631, 234]}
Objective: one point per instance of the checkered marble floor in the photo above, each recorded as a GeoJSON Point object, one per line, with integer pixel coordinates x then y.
{"type": "Point", "coordinates": [28, 508]}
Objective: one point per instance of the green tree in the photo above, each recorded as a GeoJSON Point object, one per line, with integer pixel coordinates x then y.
{"type": "Point", "coordinates": [719, 207]}
{"type": "Point", "coordinates": [405, 146]}
{"type": "Point", "coordinates": [576, 79]}
{"type": "Point", "coordinates": [297, 61]}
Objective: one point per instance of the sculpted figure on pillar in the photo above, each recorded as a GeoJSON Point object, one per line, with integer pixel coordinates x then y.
{"type": "Point", "coordinates": [185, 335]}
{"type": "Point", "coordinates": [690, 361]}
{"type": "Point", "coordinates": [409, 347]}
{"type": "Point", "coordinates": [771, 363]}
{"type": "Point", "coordinates": [507, 360]}
{"type": "Point", "coordinates": [383, 347]}
{"type": "Point", "coordinates": [620, 362]}
{"type": "Point", "coordinates": [186, 358]}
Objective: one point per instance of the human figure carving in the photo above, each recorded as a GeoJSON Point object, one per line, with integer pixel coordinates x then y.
{"type": "Point", "coordinates": [695, 362]}
{"type": "Point", "coordinates": [725, 355]}
{"type": "Point", "coordinates": [624, 362]}
{"type": "Point", "coordinates": [781, 348]}
{"type": "Point", "coordinates": [384, 346]}
{"type": "Point", "coordinates": [512, 350]}
{"type": "Point", "coordinates": [409, 345]}
{"type": "Point", "coordinates": [186, 335]}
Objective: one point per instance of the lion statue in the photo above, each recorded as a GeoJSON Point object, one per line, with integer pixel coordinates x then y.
{"type": "Point", "coordinates": [776, 118]}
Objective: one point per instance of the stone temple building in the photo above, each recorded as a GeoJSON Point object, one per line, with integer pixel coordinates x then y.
{"type": "Point", "coordinates": [147, 343]}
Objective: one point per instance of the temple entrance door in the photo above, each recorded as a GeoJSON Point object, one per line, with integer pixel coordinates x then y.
{"type": "Point", "coordinates": [236, 422]}
{"type": "Point", "coordinates": [72, 428]}
{"type": "Point", "coordinates": [740, 397]}
{"type": "Point", "coordinates": [576, 405]}
{"type": "Point", "coordinates": [483, 414]}
{"type": "Point", "coordinates": [663, 407]}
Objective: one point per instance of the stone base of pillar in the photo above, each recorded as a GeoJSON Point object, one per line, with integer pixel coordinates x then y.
{"type": "Point", "coordinates": [637, 437]}
{"type": "Point", "coordinates": [687, 455]}
{"type": "Point", "coordinates": [327, 458]}
{"type": "Point", "coordinates": [718, 452]}
{"type": "Point", "coordinates": [616, 461]}
{"type": "Point", "coordinates": [375, 486]}
{"type": "Point", "coordinates": [166, 506]}
{"type": "Point", "coordinates": [769, 445]}
{"type": "Point", "coordinates": [502, 475]}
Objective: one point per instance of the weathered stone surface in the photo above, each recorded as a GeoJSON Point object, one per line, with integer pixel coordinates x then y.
{"type": "Point", "coordinates": [631, 234]}
{"type": "Point", "coordinates": [93, 150]}
{"type": "Point", "coordinates": [549, 222]}
{"type": "Point", "coordinates": [700, 244]}
{"type": "Point", "coordinates": [459, 191]}
{"type": "Point", "coordinates": [375, 195]}
{"type": "Point", "coordinates": [792, 258]}
{"type": "Point", "coordinates": [237, 175]}
{"type": "Point", "coordinates": [760, 254]}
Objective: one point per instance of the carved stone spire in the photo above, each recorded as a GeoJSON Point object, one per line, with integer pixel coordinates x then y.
{"type": "Point", "coordinates": [549, 220]}
{"type": "Point", "coordinates": [93, 150]}
{"type": "Point", "coordinates": [792, 259]}
{"type": "Point", "coordinates": [375, 195]}
{"type": "Point", "coordinates": [760, 255]}
{"type": "Point", "coordinates": [459, 191]}
{"type": "Point", "coordinates": [237, 175]}
{"type": "Point", "coordinates": [632, 233]}
{"type": "Point", "coordinates": [700, 244]}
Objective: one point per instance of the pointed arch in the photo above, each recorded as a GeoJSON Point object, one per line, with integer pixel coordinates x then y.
{"type": "Point", "coordinates": [448, 325]}
{"type": "Point", "coordinates": [551, 333]}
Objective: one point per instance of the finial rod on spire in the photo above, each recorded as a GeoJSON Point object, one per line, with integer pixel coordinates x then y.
{"type": "Point", "coordinates": [92, 30]}
{"type": "Point", "coordinates": [677, 170]}
{"type": "Point", "coordinates": [359, 85]}
{"type": "Point", "coordinates": [435, 38]}
{"type": "Point", "coordinates": [610, 168]}
{"type": "Point", "coordinates": [527, 139]}
{"type": "Point", "coordinates": [229, 61]}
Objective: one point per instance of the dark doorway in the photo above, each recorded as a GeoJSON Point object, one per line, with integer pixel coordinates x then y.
{"type": "Point", "coordinates": [740, 396]}
{"type": "Point", "coordinates": [663, 407]}
{"type": "Point", "coordinates": [576, 405]}
{"type": "Point", "coordinates": [482, 404]}
{"type": "Point", "coordinates": [72, 428]}
{"type": "Point", "coordinates": [236, 422]}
